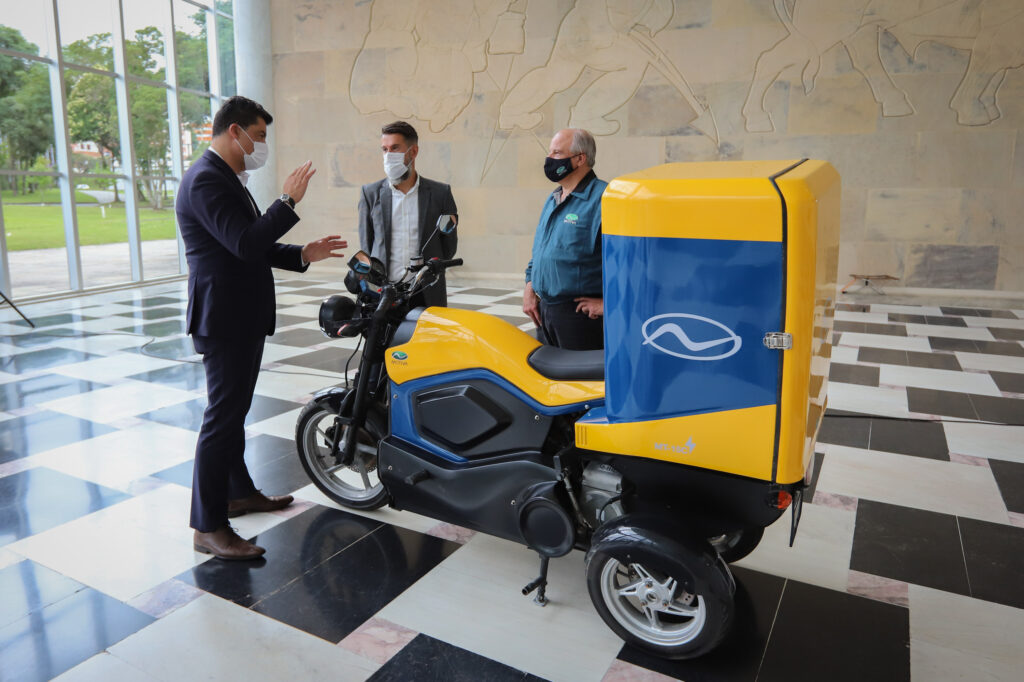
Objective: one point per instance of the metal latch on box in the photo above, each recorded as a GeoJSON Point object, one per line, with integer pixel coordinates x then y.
{"type": "Point", "coordinates": [778, 340]}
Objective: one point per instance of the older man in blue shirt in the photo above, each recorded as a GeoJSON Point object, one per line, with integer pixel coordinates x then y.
{"type": "Point", "coordinates": [563, 280]}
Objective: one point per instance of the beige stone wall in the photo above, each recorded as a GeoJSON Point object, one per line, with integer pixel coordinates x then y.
{"type": "Point", "coordinates": [918, 103]}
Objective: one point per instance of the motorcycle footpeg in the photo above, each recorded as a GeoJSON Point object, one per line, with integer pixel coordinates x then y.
{"type": "Point", "coordinates": [416, 477]}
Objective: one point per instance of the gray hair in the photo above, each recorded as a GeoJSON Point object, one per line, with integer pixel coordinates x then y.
{"type": "Point", "coordinates": [583, 143]}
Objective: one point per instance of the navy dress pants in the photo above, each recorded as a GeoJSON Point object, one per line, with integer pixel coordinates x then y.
{"type": "Point", "coordinates": [232, 367]}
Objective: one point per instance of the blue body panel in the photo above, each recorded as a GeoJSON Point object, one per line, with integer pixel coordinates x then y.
{"type": "Point", "coordinates": [403, 425]}
{"type": "Point", "coordinates": [681, 338]}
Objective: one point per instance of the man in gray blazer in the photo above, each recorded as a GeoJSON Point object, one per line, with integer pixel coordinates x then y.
{"type": "Point", "coordinates": [398, 215]}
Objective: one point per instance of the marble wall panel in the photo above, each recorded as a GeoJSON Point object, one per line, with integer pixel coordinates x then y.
{"type": "Point", "coordinates": [841, 105]}
{"type": "Point", "coordinates": [947, 266]}
{"type": "Point", "coordinates": [321, 25]}
{"type": "Point", "coordinates": [965, 158]}
{"type": "Point", "coordinates": [301, 73]}
{"type": "Point", "coordinates": [1010, 273]}
{"type": "Point", "coordinates": [917, 215]}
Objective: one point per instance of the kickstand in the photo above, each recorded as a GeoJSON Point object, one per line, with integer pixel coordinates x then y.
{"type": "Point", "coordinates": [540, 583]}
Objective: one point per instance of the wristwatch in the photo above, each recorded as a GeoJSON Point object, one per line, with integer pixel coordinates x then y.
{"type": "Point", "coordinates": [288, 200]}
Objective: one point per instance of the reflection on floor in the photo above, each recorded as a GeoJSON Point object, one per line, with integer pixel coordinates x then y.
{"type": "Point", "coordinates": [907, 565]}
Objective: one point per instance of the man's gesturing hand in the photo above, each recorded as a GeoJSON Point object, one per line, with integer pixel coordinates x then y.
{"type": "Point", "coordinates": [295, 184]}
{"type": "Point", "coordinates": [531, 304]}
{"type": "Point", "coordinates": [324, 248]}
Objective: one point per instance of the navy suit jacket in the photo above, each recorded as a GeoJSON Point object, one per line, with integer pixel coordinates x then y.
{"type": "Point", "coordinates": [435, 199]}
{"type": "Point", "coordinates": [230, 249]}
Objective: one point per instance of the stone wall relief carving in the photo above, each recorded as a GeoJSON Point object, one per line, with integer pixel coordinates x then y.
{"type": "Point", "coordinates": [989, 29]}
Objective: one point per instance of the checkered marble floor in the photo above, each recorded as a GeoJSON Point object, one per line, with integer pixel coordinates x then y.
{"type": "Point", "coordinates": [907, 565]}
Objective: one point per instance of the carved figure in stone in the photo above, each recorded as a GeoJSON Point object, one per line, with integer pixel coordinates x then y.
{"type": "Point", "coordinates": [616, 39]}
{"type": "Point", "coordinates": [419, 56]}
{"type": "Point", "coordinates": [813, 27]}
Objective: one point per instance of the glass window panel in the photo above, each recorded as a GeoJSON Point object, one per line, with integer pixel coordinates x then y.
{"type": "Point", "coordinates": [26, 118]}
{"type": "Point", "coordinates": [226, 54]}
{"type": "Point", "coordinates": [86, 27]}
{"type": "Point", "coordinates": [190, 45]}
{"type": "Point", "coordinates": [36, 254]}
{"type": "Point", "coordinates": [23, 28]}
{"type": "Point", "coordinates": [92, 122]}
{"type": "Point", "coordinates": [103, 239]}
{"type": "Point", "coordinates": [150, 128]}
{"type": "Point", "coordinates": [223, 6]}
{"type": "Point", "coordinates": [145, 23]}
{"type": "Point", "coordinates": [159, 231]}
{"type": "Point", "coordinates": [196, 126]}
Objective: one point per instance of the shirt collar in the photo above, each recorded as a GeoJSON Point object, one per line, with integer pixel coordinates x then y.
{"type": "Point", "coordinates": [243, 177]}
{"type": "Point", "coordinates": [415, 186]}
{"type": "Point", "coordinates": [580, 189]}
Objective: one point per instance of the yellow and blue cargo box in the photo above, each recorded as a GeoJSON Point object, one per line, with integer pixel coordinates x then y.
{"type": "Point", "coordinates": [719, 289]}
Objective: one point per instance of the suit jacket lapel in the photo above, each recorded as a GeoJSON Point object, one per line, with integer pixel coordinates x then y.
{"type": "Point", "coordinates": [423, 200]}
{"type": "Point", "coordinates": [252, 201]}
{"type": "Point", "coordinates": [234, 182]}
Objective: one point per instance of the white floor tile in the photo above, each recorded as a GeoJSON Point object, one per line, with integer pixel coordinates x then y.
{"type": "Point", "coordinates": [291, 383]}
{"type": "Point", "coordinates": [938, 379]}
{"type": "Point", "coordinates": [953, 637]}
{"type": "Point", "coordinates": [118, 458]}
{"type": "Point", "coordinates": [986, 440]}
{"type": "Point", "coordinates": [820, 555]}
{"type": "Point", "coordinates": [282, 426]}
{"type": "Point", "coordinates": [974, 333]}
{"type": "Point", "coordinates": [945, 487]}
{"type": "Point", "coordinates": [9, 558]}
{"type": "Point", "coordinates": [906, 309]}
{"type": "Point", "coordinates": [213, 639]}
{"type": "Point", "coordinates": [505, 309]}
{"type": "Point", "coordinates": [845, 354]}
{"type": "Point", "coordinates": [862, 340]}
{"type": "Point", "coordinates": [106, 344]}
{"type": "Point", "coordinates": [128, 399]}
{"type": "Point", "coordinates": [115, 366]}
{"type": "Point", "coordinates": [991, 363]}
{"type": "Point", "coordinates": [310, 311]}
{"type": "Point", "coordinates": [123, 550]}
{"type": "Point", "coordinates": [275, 352]}
{"type": "Point", "coordinates": [104, 667]}
{"type": "Point", "coordinates": [867, 399]}
{"type": "Point", "coordinates": [292, 299]}
{"type": "Point", "coordinates": [994, 322]}
{"type": "Point", "coordinates": [851, 316]}
{"type": "Point", "coordinates": [475, 299]}
{"type": "Point", "coordinates": [565, 640]}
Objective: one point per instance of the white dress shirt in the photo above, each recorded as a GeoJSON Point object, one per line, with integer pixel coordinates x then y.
{"type": "Point", "coordinates": [405, 230]}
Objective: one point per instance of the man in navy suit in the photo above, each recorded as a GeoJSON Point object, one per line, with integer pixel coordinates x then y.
{"type": "Point", "coordinates": [231, 247]}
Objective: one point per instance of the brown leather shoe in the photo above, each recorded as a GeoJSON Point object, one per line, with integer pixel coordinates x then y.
{"type": "Point", "coordinates": [225, 543]}
{"type": "Point", "coordinates": [258, 502]}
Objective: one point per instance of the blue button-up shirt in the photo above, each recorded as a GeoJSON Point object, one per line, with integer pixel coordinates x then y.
{"type": "Point", "coordinates": [566, 260]}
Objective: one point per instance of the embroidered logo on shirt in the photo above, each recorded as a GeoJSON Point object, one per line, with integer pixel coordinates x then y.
{"type": "Point", "coordinates": [572, 218]}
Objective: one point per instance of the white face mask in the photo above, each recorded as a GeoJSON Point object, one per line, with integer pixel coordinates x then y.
{"type": "Point", "coordinates": [395, 166]}
{"type": "Point", "coordinates": [260, 152]}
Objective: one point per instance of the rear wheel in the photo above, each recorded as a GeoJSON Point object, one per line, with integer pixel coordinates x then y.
{"type": "Point", "coordinates": [357, 485]}
{"type": "Point", "coordinates": [737, 544]}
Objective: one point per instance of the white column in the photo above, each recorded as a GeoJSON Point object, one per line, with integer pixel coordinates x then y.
{"type": "Point", "coordinates": [254, 67]}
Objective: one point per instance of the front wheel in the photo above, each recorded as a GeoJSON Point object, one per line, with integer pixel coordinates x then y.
{"type": "Point", "coordinates": [357, 485]}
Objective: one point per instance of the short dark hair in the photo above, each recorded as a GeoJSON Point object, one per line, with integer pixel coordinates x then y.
{"type": "Point", "coordinates": [401, 128]}
{"type": "Point", "coordinates": [240, 110]}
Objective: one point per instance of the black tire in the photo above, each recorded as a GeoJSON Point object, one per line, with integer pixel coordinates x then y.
{"type": "Point", "coordinates": [737, 544]}
{"type": "Point", "coordinates": [637, 590]}
{"type": "Point", "coordinates": [313, 431]}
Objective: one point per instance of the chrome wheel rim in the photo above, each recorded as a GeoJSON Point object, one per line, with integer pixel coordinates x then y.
{"type": "Point", "coordinates": [651, 605]}
{"type": "Point", "coordinates": [358, 481]}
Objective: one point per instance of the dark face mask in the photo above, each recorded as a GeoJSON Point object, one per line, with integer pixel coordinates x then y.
{"type": "Point", "coordinates": [556, 169]}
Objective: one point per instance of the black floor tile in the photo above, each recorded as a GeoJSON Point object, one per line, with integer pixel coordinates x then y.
{"type": "Point", "coordinates": [934, 360]}
{"type": "Point", "coordinates": [978, 312]}
{"type": "Point", "coordinates": [912, 545]}
{"type": "Point", "coordinates": [945, 403]}
{"type": "Point", "coordinates": [187, 376]}
{"type": "Point", "coordinates": [905, 318]}
{"type": "Point", "coordinates": [1010, 479]}
{"type": "Point", "coordinates": [29, 587]}
{"type": "Point", "coordinates": [943, 343]}
{"type": "Point", "coordinates": [289, 320]}
{"type": "Point", "coordinates": [44, 358]}
{"type": "Point", "coordinates": [945, 321]}
{"type": "Point", "coordinates": [1004, 334]}
{"type": "Point", "coordinates": [302, 338]}
{"type": "Point", "coordinates": [292, 283]}
{"type": "Point", "coordinates": [426, 659]}
{"type": "Point", "coordinates": [38, 339]}
{"type": "Point", "coordinates": [995, 561]}
{"type": "Point", "coordinates": [739, 655]}
{"type": "Point", "coordinates": [514, 321]}
{"type": "Point", "coordinates": [853, 374]}
{"type": "Point", "coordinates": [189, 414]}
{"type": "Point", "coordinates": [40, 389]}
{"type": "Point", "coordinates": [329, 359]}
{"type": "Point", "coordinates": [151, 301]}
{"type": "Point", "coordinates": [886, 329]}
{"type": "Point", "coordinates": [334, 597]}
{"type": "Point", "coordinates": [884, 356]}
{"type": "Point", "coordinates": [153, 313]}
{"type": "Point", "coordinates": [173, 327]}
{"type": "Point", "coordinates": [854, 307]}
{"type": "Point", "coordinates": [1011, 382]}
{"type": "Point", "coordinates": [58, 637]}
{"type": "Point", "coordinates": [1000, 348]}
{"type": "Point", "coordinates": [52, 320]}
{"type": "Point", "coordinates": [320, 292]}
{"type": "Point", "coordinates": [482, 291]}
{"type": "Point", "coordinates": [169, 349]}
{"type": "Point", "coordinates": [25, 510]}
{"type": "Point", "coordinates": [853, 432]}
{"type": "Point", "coordinates": [41, 431]}
{"type": "Point", "coordinates": [920, 439]}
{"type": "Point", "coordinates": [998, 409]}
{"type": "Point", "coordinates": [822, 634]}
{"type": "Point", "coordinates": [467, 306]}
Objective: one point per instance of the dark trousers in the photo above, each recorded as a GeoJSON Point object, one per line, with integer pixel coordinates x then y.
{"type": "Point", "coordinates": [562, 326]}
{"type": "Point", "coordinates": [220, 474]}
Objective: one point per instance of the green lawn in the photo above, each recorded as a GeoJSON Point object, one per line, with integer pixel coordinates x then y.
{"type": "Point", "coordinates": [45, 196]}
{"type": "Point", "coordinates": [42, 227]}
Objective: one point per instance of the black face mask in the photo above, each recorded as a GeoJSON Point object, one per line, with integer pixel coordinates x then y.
{"type": "Point", "coordinates": [556, 169]}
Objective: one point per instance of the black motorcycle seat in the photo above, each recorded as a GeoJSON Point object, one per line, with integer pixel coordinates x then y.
{"type": "Point", "coordinates": [569, 365]}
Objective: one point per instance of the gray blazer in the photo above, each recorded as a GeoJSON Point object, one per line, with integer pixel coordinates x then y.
{"type": "Point", "coordinates": [435, 199]}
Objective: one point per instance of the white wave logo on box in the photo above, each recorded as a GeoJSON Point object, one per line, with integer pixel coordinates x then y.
{"type": "Point", "coordinates": [674, 325]}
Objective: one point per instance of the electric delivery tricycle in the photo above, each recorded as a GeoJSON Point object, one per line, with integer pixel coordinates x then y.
{"type": "Point", "coordinates": [665, 455]}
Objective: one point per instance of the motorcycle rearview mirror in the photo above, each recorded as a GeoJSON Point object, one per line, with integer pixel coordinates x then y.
{"type": "Point", "coordinates": [360, 263]}
{"type": "Point", "coordinates": [445, 225]}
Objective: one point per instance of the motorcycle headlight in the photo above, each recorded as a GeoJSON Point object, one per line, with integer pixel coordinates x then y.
{"type": "Point", "coordinates": [335, 312]}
